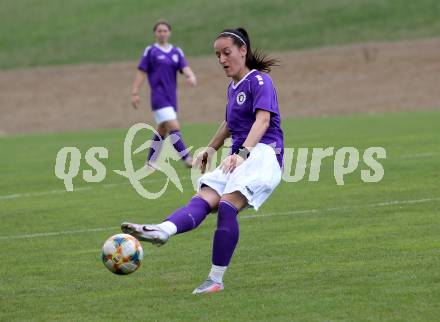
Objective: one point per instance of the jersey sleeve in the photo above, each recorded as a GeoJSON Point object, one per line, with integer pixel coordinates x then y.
{"type": "Point", "coordinates": [182, 61]}
{"type": "Point", "coordinates": [144, 63]}
{"type": "Point", "coordinates": [263, 94]}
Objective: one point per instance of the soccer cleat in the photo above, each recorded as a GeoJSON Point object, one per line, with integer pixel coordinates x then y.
{"type": "Point", "coordinates": [149, 233]}
{"type": "Point", "coordinates": [209, 286]}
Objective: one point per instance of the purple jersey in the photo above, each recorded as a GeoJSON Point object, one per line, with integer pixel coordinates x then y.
{"type": "Point", "coordinates": [161, 67]}
{"type": "Point", "coordinates": [255, 91]}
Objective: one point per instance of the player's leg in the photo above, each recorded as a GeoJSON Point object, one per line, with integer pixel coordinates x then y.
{"type": "Point", "coordinates": [225, 240]}
{"type": "Point", "coordinates": [182, 220]}
{"type": "Point", "coordinates": [192, 215]}
{"type": "Point", "coordinates": [250, 184]}
{"type": "Point", "coordinates": [210, 187]}
{"type": "Point", "coordinates": [173, 128]}
{"type": "Point", "coordinates": [157, 142]}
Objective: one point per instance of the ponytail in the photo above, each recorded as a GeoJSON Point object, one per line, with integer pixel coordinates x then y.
{"type": "Point", "coordinates": [254, 59]}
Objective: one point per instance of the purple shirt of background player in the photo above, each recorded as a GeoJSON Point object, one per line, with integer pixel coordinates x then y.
{"type": "Point", "coordinates": [162, 66]}
{"type": "Point", "coordinates": [254, 91]}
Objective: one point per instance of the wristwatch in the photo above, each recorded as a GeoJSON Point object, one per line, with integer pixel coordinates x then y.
{"type": "Point", "coordinates": [243, 152]}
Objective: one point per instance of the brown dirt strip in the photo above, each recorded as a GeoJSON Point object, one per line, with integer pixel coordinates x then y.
{"type": "Point", "coordinates": [362, 78]}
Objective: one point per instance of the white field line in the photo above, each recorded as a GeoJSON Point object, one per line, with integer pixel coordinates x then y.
{"type": "Point", "coordinates": [57, 233]}
{"type": "Point", "coordinates": [271, 214]}
{"type": "Point", "coordinates": [51, 192]}
{"type": "Point", "coordinates": [109, 185]}
{"type": "Point", "coordinates": [317, 210]}
{"type": "Point", "coordinates": [419, 155]}
{"type": "Point", "coordinates": [42, 193]}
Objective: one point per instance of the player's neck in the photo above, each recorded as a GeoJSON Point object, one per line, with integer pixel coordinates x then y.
{"type": "Point", "coordinates": [164, 45]}
{"type": "Point", "coordinates": [240, 75]}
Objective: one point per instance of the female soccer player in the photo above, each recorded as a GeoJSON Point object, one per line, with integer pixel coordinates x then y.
{"type": "Point", "coordinates": [249, 174]}
{"type": "Point", "coordinates": [160, 62]}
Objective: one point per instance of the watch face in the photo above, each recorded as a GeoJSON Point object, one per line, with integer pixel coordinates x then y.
{"type": "Point", "coordinates": [244, 153]}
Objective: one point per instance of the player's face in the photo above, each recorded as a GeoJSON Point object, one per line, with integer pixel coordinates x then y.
{"type": "Point", "coordinates": [162, 34]}
{"type": "Point", "coordinates": [230, 56]}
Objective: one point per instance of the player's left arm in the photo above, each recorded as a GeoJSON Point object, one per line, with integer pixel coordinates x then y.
{"type": "Point", "coordinates": [189, 75]}
{"type": "Point", "coordinates": [262, 121]}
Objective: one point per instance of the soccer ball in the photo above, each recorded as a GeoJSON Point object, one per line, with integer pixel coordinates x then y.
{"type": "Point", "coordinates": [122, 254]}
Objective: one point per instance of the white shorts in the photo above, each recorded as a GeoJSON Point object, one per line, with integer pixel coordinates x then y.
{"type": "Point", "coordinates": [255, 178]}
{"type": "Point", "coordinates": [164, 114]}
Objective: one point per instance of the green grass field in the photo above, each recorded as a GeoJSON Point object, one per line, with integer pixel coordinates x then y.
{"type": "Point", "coordinates": [48, 32]}
{"type": "Point", "coordinates": [314, 252]}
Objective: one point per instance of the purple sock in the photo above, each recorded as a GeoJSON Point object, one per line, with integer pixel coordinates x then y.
{"type": "Point", "coordinates": [179, 145]}
{"type": "Point", "coordinates": [190, 216]}
{"type": "Point", "coordinates": [226, 235]}
{"type": "Point", "coordinates": [155, 148]}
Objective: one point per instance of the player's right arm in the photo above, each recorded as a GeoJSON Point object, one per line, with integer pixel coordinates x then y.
{"type": "Point", "coordinates": [220, 136]}
{"type": "Point", "coordinates": [203, 159]}
{"type": "Point", "coordinates": [141, 74]}
{"type": "Point", "coordinates": [138, 81]}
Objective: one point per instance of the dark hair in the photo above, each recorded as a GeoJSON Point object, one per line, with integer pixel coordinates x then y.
{"type": "Point", "coordinates": [161, 22]}
{"type": "Point", "coordinates": [254, 59]}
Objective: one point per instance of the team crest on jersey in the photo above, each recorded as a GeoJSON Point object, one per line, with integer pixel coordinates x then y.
{"type": "Point", "coordinates": [175, 58]}
{"type": "Point", "coordinates": [241, 98]}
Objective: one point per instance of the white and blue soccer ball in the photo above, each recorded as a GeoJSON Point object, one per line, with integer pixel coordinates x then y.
{"type": "Point", "coordinates": [122, 254]}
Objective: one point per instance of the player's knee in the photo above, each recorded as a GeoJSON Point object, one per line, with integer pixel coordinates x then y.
{"type": "Point", "coordinates": [162, 130]}
{"type": "Point", "coordinates": [172, 125]}
{"type": "Point", "coordinates": [210, 196]}
{"type": "Point", "coordinates": [236, 199]}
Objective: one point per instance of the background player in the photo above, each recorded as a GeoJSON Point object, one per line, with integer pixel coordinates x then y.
{"type": "Point", "coordinates": [246, 177]}
{"type": "Point", "coordinates": [160, 62]}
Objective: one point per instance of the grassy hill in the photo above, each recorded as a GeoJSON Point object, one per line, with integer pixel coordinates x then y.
{"type": "Point", "coordinates": [48, 32]}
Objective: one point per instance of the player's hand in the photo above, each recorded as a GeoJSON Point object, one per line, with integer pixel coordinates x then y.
{"type": "Point", "coordinates": [231, 163]}
{"type": "Point", "coordinates": [135, 100]}
{"type": "Point", "coordinates": [203, 159]}
{"type": "Point", "coordinates": [192, 81]}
